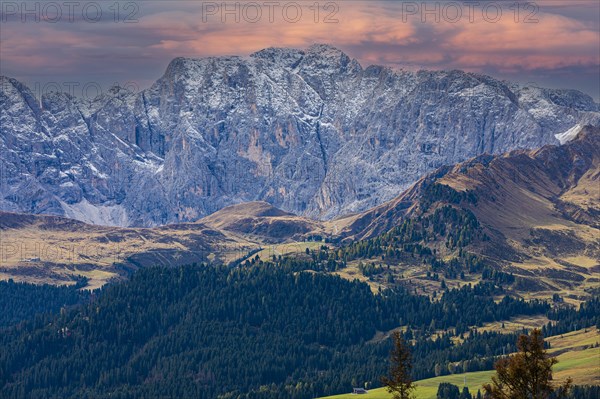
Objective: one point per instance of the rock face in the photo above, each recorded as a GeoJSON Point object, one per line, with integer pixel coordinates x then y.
{"type": "Point", "coordinates": [309, 131]}
{"type": "Point", "coordinates": [512, 194]}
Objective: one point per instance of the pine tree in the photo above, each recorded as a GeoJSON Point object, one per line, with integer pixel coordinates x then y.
{"type": "Point", "coordinates": [527, 374]}
{"type": "Point", "coordinates": [399, 382]}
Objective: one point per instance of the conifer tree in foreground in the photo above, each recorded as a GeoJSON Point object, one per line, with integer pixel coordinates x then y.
{"type": "Point", "coordinates": [399, 382]}
{"type": "Point", "coordinates": [527, 374]}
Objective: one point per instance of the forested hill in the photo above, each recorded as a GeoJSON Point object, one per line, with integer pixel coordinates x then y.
{"type": "Point", "coordinates": [23, 301]}
{"type": "Point", "coordinates": [264, 331]}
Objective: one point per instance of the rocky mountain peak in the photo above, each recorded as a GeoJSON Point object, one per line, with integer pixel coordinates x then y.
{"type": "Point", "coordinates": [308, 131]}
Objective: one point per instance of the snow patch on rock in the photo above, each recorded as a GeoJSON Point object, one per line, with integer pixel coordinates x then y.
{"type": "Point", "coordinates": [569, 134]}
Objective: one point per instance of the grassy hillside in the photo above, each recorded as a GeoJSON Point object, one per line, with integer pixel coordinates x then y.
{"type": "Point", "coordinates": [427, 389]}
{"type": "Point", "coordinates": [262, 222]}
{"type": "Point", "coordinates": [577, 359]}
{"type": "Point", "coordinates": [54, 250]}
{"type": "Point", "coordinates": [43, 249]}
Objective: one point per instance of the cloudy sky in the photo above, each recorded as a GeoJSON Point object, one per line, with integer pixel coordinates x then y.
{"type": "Point", "coordinates": [552, 43]}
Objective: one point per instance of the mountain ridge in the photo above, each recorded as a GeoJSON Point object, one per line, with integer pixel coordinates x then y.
{"type": "Point", "coordinates": [586, 142]}
{"type": "Point", "coordinates": [310, 131]}
{"type": "Point", "coordinates": [531, 214]}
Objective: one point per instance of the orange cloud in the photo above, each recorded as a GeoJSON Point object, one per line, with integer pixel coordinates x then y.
{"type": "Point", "coordinates": [566, 36]}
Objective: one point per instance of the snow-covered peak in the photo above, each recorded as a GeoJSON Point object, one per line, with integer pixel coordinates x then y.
{"type": "Point", "coordinates": [285, 57]}
{"type": "Point", "coordinates": [329, 58]}
{"type": "Point", "coordinates": [308, 131]}
{"type": "Point", "coordinates": [13, 91]}
{"type": "Point", "coordinates": [325, 50]}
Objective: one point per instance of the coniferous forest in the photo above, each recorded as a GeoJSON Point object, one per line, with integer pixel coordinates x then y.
{"type": "Point", "coordinates": [22, 301]}
{"type": "Point", "coordinates": [259, 331]}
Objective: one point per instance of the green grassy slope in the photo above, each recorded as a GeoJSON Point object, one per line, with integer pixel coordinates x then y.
{"type": "Point", "coordinates": [427, 389]}
{"type": "Point", "coordinates": [581, 362]}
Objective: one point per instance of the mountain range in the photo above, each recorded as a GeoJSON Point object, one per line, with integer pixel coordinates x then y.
{"type": "Point", "coordinates": [311, 132]}
{"type": "Point", "coordinates": [532, 214]}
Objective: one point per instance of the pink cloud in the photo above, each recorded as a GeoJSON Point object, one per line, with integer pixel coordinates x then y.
{"type": "Point", "coordinates": [373, 32]}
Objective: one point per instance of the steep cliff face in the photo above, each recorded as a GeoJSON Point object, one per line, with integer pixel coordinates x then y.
{"type": "Point", "coordinates": [309, 131]}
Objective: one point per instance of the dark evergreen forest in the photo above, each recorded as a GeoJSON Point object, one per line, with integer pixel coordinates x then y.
{"type": "Point", "coordinates": [270, 330]}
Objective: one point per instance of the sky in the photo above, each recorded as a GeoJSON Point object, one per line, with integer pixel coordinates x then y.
{"type": "Point", "coordinates": [84, 47]}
